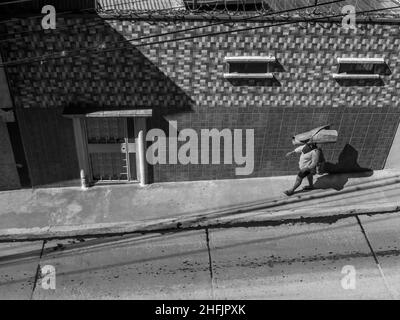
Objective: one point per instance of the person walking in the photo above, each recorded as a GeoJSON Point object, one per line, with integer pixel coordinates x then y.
{"type": "Point", "coordinates": [309, 158]}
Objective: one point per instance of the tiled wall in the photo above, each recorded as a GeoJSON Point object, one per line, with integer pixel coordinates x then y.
{"type": "Point", "coordinates": [182, 81]}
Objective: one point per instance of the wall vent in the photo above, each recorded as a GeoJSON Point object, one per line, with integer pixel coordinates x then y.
{"type": "Point", "coordinates": [361, 69]}
{"type": "Point", "coordinates": [249, 67]}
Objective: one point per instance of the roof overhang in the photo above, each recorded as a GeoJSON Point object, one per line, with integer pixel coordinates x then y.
{"type": "Point", "coordinates": [250, 59]}
{"type": "Point", "coordinates": [361, 60]}
{"type": "Point", "coordinates": [111, 114]}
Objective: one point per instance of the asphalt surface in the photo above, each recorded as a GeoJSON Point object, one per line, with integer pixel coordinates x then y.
{"type": "Point", "coordinates": [298, 261]}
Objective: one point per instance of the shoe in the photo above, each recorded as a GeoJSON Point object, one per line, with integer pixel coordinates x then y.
{"type": "Point", "coordinates": [308, 188]}
{"type": "Point", "coordinates": [288, 193]}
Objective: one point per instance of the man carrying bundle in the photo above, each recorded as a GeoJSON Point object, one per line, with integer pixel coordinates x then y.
{"type": "Point", "coordinates": [309, 159]}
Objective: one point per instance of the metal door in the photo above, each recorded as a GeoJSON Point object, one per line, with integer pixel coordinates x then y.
{"type": "Point", "coordinates": [111, 152]}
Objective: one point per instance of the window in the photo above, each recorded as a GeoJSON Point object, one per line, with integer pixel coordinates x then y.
{"type": "Point", "coordinates": [249, 67]}
{"type": "Point", "coordinates": [361, 68]}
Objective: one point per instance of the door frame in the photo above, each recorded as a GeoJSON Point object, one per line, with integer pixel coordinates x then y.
{"type": "Point", "coordinates": [140, 130]}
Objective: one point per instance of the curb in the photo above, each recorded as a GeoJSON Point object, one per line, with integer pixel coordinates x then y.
{"type": "Point", "coordinates": [259, 212]}
{"type": "Point", "coordinates": [290, 216]}
{"type": "Point", "coordinates": [177, 224]}
{"type": "Point", "coordinates": [261, 206]}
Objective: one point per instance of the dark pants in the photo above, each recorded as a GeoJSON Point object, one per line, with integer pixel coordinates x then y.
{"type": "Point", "coordinates": [303, 174]}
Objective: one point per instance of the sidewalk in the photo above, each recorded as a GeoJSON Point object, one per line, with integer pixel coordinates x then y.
{"type": "Point", "coordinates": [104, 206]}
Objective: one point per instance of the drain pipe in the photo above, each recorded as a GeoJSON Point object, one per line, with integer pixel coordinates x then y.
{"type": "Point", "coordinates": [84, 185]}
{"type": "Point", "coordinates": [142, 159]}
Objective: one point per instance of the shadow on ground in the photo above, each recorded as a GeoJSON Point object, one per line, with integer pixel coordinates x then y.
{"type": "Point", "coordinates": [338, 174]}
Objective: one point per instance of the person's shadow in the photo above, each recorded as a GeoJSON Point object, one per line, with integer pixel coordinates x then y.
{"type": "Point", "coordinates": [338, 174]}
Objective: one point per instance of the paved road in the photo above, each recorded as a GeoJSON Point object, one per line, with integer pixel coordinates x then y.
{"type": "Point", "coordinates": [300, 261]}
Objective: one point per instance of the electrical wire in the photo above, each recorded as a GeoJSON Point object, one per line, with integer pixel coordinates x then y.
{"type": "Point", "coordinates": [156, 11]}
{"type": "Point", "coordinates": [14, 2]}
{"type": "Point", "coordinates": [63, 54]}
{"type": "Point", "coordinates": [167, 14]}
{"type": "Point", "coordinates": [97, 50]}
{"type": "Point", "coordinates": [255, 28]}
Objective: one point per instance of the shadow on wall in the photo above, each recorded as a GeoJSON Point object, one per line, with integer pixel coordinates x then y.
{"type": "Point", "coordinates": [95, 81]}
{"type": "Point", "coordinates": [361, 83]}
{"type": "Point", "coordinates": [338, 174]}
{"type": "Point", "coordinates": [273, 82]}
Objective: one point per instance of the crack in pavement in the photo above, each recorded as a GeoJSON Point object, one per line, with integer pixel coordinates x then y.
{"type": "Point", "coordinates": [38, 271]}
{"type": "Point", "coordinates": [394, 294]}
{"type": "Point", "coordinates": [210, 263]}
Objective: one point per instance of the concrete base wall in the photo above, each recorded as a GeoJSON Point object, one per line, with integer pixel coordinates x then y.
{"type": "Point", "coordinates": [8, 171]}
{"type": "Point", "coordinates": [48, 140]}
{"type": "Point", "coordinates": [9, 178]}
{"type": "Point", "coordinates": [393, 159]}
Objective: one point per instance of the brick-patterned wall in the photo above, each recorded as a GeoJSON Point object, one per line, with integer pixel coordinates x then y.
{"type": "Point", "coordinates": [183, 81]}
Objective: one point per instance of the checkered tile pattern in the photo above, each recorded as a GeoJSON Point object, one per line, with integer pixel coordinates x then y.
{"type": "Point", "coordinates": [182, 80]}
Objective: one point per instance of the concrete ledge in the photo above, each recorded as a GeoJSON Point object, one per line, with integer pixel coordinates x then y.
{"type": "Point", "coordinates": [177, 224]}
{"type": "Point", "coordinates": [288, 216]}
{"type": "Point", "coordinates": [266, 211]}
{"type": "Point", "coordinates": [300, 198]}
